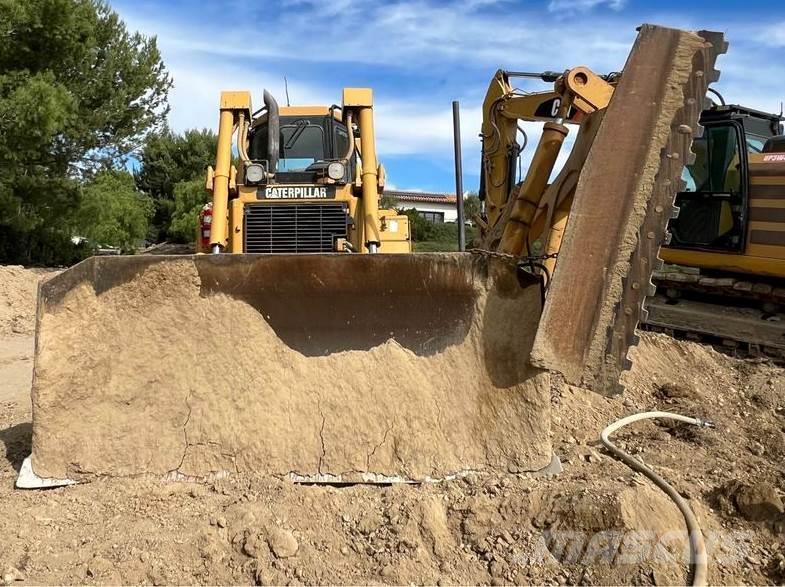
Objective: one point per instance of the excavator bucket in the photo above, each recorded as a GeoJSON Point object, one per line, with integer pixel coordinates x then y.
{"type": "Point", "coordinates": [622, 203]}
{"type": "Point", "coordinates": [366, 367]}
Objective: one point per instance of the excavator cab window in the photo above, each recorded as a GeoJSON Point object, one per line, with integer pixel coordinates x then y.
{"type": "Point", "coordinates": [713, 203]}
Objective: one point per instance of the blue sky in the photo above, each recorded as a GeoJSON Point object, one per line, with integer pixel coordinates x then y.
{"type": "Point", "coordinates": [419, 55]}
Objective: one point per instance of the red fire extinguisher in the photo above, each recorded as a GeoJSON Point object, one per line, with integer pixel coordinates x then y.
{"type": "Point", "coordinates": [205, 223]}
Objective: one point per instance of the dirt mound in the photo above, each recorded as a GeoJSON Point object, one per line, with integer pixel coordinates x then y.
{"type": "Point", "coordinates": [18, 287]}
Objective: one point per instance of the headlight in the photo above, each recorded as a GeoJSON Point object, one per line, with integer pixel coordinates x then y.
{"type": "Point", "coordinates": [254, 173]}
{"type": "Point", "coordinates": [336, 170]}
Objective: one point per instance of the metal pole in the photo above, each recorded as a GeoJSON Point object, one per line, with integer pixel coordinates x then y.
{"type": "Point", "coordinates": [456, 133]}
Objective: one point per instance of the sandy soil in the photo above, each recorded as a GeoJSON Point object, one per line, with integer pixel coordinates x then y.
{"type": "Point", "coordinates": [597, 522]}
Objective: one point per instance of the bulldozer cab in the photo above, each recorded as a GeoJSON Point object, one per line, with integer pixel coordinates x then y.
{"type": "Point", "coordinates": [306, 142]}
{"type": "Point", "coordinates": [713, 205]}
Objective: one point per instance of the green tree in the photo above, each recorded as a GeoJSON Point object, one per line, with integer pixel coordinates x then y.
{"type": "Point", "coordinates": [113, 212]}
{"type": "Point", "coordinates": [78, 93]}
{"type": "Point", "coordinates": [388, 201]}
{"type": "Point", "coordinates": [166, 160]}
{"type": "Point", "coordinates": [471, 206]}
{"type": "Point", "coordinates": [189, 198]}
{"type": "Point", "coordinates": [419, 227]}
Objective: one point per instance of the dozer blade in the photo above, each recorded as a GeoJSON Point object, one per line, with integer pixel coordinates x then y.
{"type": "Point", "coordinates": [323, 367]}
{"type": "Point", "coordinates": [622, 204]}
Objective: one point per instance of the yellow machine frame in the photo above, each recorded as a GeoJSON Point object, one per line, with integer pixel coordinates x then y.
{"type": "Point", "coordinates": [515, 216]}
{"type": "Point", "coordinates": [373, 229]}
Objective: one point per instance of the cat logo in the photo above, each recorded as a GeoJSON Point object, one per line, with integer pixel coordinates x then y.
{"type": "Point", "coordinates": [297, 193]}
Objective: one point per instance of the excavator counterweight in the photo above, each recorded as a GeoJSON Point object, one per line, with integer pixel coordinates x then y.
{"type": "Point", "coordinates": [344, 366]}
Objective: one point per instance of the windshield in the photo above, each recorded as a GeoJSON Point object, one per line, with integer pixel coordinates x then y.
{"type": "Point", "coordinates": [304, 140]}
{"type": "Point", "coordinates": [755, 143]}
{"type": "Point", "coordinates": [302, 145]}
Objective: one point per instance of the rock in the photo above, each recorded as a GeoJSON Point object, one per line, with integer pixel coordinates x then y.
{"type": "Point", "coordinates": [759, 502]}
{"type": "Point", "coordinates": [12, 574]}
{"type": "Point", "coordinates": [251, 545]}
{"type": "Point", "coordinates": [757, 448]}
{"type": "Point", "coordinates": [498, 569]}
{"type": "Point", "coordinates": [99, 566]}
{"type": "Point", "coordinates": [344, 550]}
{"type": "Point", "coordinates": [282, 543]}
{"type": "Point", "coordinates": [221, 522]}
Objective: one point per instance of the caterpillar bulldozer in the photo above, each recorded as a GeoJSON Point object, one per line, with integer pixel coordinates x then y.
{"type": "Point", "coordinates": [313, 345]}
{"type": "Point", "coordinates": [725, 275]}
{"type": "Point", "coordinates": [323, 196]}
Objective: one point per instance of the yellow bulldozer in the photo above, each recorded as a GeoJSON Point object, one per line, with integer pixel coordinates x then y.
{"type": "Point", "coordinates": [285, 351]}
{"type": "Point", "coordinates": [308, 182]}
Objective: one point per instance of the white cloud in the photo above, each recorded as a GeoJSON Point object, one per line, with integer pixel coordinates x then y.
{"type": "Point", "coordinates": [406, 35]}
{"type": "Point", "coordinates": [571, 6]}
{"type": "Point", "coordinates": [415, 43]}
{"type": "Point", "coordinates": [772, 35]}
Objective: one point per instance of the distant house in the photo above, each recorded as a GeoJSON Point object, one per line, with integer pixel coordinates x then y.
{"type": "Point", "coordinates": [432, 206]}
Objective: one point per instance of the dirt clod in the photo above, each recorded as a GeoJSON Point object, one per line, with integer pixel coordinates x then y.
{"type": "Point", "coordinates": [759, 502]}
{"type": "Point", "coordinates": [283, 543]}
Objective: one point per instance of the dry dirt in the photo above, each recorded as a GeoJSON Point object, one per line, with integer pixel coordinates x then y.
{"type": "Point", "coordinates": [173, 382]}
{"type": "Point", "coordinates": [597, 522]}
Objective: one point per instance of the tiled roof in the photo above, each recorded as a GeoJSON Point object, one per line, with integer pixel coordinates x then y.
{"type": "Point", "coordinates": [424, 197]}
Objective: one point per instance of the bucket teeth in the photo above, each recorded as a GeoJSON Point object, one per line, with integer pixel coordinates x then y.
{"type": "Point", "coordinates": [646, 258]}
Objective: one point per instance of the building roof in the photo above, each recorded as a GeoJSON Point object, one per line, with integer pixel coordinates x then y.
{"type": "Point", "coordinates": [423, 197]}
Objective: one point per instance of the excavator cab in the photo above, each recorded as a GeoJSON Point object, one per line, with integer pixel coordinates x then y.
{"type": "Point", "coordinates": [714, 205]}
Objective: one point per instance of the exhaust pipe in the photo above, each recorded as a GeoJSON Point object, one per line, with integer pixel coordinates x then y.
{"type": "Point", "coordinates": [273, 132]}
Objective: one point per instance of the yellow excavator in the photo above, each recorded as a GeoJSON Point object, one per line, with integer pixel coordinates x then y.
{"type": "Point", "coordinates": [298, 348]}
{"type": "Point", "coordinates": [725, 275]}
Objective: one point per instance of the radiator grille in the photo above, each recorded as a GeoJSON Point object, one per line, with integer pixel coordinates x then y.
{"type": "Point", "coordinates": [293, 228]}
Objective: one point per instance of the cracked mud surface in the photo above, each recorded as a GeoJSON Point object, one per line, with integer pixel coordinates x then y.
{"type": "Point", "coordinates": [484, 529]}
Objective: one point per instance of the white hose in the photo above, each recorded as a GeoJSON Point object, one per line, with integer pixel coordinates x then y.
{"type": "Point", "coordinates": [698, 558]}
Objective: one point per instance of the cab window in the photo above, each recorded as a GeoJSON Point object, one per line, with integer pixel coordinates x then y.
{"type": "Point", "coordinates": [717, 162]}
{"type": "Point", "coordinates": [713, 199]}
{"type": "Point", "coordinates": [302, 144]}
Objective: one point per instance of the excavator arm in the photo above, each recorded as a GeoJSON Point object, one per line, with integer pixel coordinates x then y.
{"type": "Point", "coordinates": [513, 208]}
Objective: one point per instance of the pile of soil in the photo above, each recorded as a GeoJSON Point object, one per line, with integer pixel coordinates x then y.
{"type": "Point", "coordinates": [597, 522]}
{"type": "Point", "coordinates": [18, 287]}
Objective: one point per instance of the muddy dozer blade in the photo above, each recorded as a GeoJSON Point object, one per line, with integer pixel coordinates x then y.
{"type": "Point", "coordinates": [621, 206]}
{"type": "Point", "coordinates": [327, 367]}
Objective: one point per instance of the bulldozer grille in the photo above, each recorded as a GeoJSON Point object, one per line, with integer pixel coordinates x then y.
{"type": "Point", "coordinates": [293, 228]}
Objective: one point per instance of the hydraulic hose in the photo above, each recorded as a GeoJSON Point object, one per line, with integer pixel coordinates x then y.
{"type": "Point", "coordinates": [242, 137]}
{"type": "Point", "coordinates": [698, 557]}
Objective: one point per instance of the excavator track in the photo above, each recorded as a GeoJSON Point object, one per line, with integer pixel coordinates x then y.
{"type": "Point", "coordinates": [612, 240]}
{"type": "Point", "coordinates": [735, 314]}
